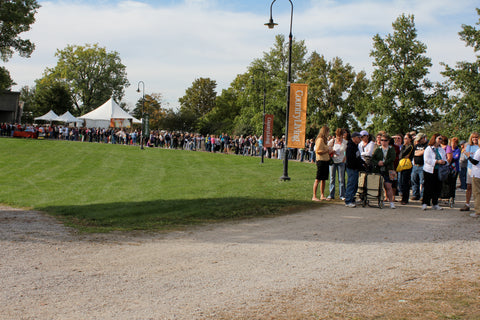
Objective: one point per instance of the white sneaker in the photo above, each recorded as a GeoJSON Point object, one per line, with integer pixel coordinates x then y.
{"type": "Point", "coordinates": [392, 205]}
{"type": "Point", "coordinates": [474, 215]}
{"type": "Point", "coordinates": [351, 205]}
{"type": "Point", "coordinates": [424, 207]}
{"type": "Point", "coordinates": [342, 198]}
{"type": "Point", "coordinates": [437, 207]}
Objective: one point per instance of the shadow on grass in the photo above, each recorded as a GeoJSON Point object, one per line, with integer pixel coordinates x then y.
{"type": "Point", "coordinates": [169, 214]}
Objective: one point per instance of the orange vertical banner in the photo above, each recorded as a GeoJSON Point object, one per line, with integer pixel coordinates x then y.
{"type": "Point", "coordinates": [268, 131]}
{"type": "Point", "coordinates": [297, 118]}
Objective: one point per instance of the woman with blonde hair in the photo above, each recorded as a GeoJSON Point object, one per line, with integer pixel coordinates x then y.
{"type": "Point", "coordinates": [338, 145]}
{"type": "Point", "coordinates": [470, 150]}
{"type": "Point", "coordinates": [322, 153]}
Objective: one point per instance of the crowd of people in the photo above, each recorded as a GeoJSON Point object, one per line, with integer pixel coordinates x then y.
{"type": "Point", "coordinates": [246, 145]}
{"type": "Point", "coordinates": [337, 156]}
{"type": "Point", "coordinates": [413, 166]}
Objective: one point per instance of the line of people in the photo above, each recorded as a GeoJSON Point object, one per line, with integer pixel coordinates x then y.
{"type": "Point", "coordinates": [419, 177]}
{"type": "Point", "coordinates": [246, 145]}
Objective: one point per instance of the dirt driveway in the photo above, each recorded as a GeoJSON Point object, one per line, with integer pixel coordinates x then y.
{"type": "Point", "coordinates": [331, 262]}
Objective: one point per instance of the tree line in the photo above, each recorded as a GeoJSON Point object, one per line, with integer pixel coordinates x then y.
{"type": "Point", "coordinates": [398, 97]}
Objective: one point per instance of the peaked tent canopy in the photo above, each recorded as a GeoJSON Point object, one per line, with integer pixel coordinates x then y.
{"type": "Point", "coordinates": [67, 117]}
{"type": "Point", "coordinates": [49, 116]}
{"type": "Point", "coordinates": [108, 115]}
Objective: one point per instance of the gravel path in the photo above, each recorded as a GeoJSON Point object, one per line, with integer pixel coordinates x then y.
{"type": "Point", "coordinates": [231, 270]}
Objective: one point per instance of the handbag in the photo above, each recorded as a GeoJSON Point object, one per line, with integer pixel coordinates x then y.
{"type": "Point", "coordinates": [443, 172]}
{"type": "Point", "coordinates": [405, 163]}
{"type": "Point", "coordinates": [392, 175]}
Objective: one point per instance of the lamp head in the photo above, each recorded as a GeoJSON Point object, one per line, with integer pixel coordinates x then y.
{"type": "Point", "coordinates": [271, 24]}
{"type": "Point", "coordinates": [138, 89]}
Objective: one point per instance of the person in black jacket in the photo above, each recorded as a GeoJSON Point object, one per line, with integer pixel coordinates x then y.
{"type": "Point", "coordinates": [354, 164]}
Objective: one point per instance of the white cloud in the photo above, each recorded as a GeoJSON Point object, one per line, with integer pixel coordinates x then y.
{"type": "Point", "coordinates": [169, 47]}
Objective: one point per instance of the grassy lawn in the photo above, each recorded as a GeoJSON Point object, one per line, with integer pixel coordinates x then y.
{"type": "Point", "coordinates": [100, 188]}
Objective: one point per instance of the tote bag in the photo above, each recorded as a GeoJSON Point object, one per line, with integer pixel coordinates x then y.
{"type": "Point", "coordinates": [443, 171]}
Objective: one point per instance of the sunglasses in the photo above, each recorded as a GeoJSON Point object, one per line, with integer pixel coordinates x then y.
{"type": "Point", "coordinates": [384, 140]}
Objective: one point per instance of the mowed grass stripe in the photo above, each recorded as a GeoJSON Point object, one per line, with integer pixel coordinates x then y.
{"type": "Point", "coordinates": [100, 187]}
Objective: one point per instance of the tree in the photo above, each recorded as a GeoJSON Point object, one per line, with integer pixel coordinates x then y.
{"type": "Point", "coordinates": [275, 62]}
{"type": "Point", "coordinates": [399, 83]}
{"type": "Point", "coordinates": [198, 101]}
{"type": "Point", "coordinates": [92, 74]}
{"type": "Point", "coordinates": [16, 16]}
{"type": "Point", "coordinates": [6, 81]}
{"type": "Point", "coordinates": [248, 109]}
{"type": "Point", "coordinates": [51, 96]}
{"type": "Point", "coordinates": [221, 118]}
{"type": "Point", "coordinates": [27, 95]}
{"type": "Point", "coordinates": [463, 109]}
{"type": "Point", "coordinates": [153, 106]}
{"type": "Point", "coordinates": [335, 92]}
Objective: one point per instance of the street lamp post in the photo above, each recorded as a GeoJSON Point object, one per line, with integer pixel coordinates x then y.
{"type": "Point", "coordinates": [271, 25]}
{"type": "Point", "coordinates": [264, 101]}
{"type": "Point", "coordinates": [143, 106]}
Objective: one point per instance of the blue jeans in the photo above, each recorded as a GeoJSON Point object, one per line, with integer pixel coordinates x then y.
{"type": "Point", "coordinates": [302, 155]}
{"type": "Point", "coordinates": [417, 181]}
{"type": "Point", "coordinates": [463, 178]}
{"type": "Point", "coordinates": [352, 186]}
{"type": "Point", "coordinates": [340, 168]}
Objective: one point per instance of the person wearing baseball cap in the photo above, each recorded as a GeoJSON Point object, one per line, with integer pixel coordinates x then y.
{"type": "Point", "coordinates": [366, 146]}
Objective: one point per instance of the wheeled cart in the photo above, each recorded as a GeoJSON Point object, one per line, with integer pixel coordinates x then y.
{"type": "Point", "coordinates": [449, 187]}
{"type": "Point", "coordinates": [370, 188]}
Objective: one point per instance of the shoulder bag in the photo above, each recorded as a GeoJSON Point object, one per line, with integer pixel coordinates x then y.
{"type": "Point", "coordinates": [405, 163]}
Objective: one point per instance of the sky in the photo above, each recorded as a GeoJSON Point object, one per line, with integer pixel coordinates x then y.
{"type": "Point", "coordinates": [168, 44]}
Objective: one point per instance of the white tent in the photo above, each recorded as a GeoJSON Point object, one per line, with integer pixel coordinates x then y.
{"type": "Point", "coordinates": [107, 115]}
{"type": "Point", "coordinates": [49, 116]}
{"type": "Point", "coordinates": [67, 117]}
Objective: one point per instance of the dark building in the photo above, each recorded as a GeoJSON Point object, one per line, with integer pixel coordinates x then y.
{"type": "Point", "coordinates": [10, 110]}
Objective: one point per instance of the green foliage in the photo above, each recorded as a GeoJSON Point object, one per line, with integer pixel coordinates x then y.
{"type": "Point", "coordinates": [100, 187]}
{"type": "Point", "coordinates": [221, 118]}
{"type": "Point", "coordinates": [463, 106]}
{"type": "Point", "coordinates": [6, 81]}
{"type": "Point", "coordinates": [51, 96]}
{"type": "Point", "coordinates": [153, 106]}
{"type": "Point", "coordinates": [16, 16]}
{"type": "Point", "coordinates": [335, 92]}
{"type": "Point", "coordinates": [27, 95]}
{"type": "Point", "coordinates": [399, 82]}
{"type": "Point", "coordinates": [198, 101]}
{"type": "Point", "coordinates": [270, 74]}
{"type": "Point", "coordinates": [275, 63]}
{"type": "Point", "coordinates": [92, 74]}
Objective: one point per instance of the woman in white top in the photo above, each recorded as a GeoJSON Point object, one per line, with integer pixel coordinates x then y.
{"type": "Point", "coordinates": [366, 147]}
{"type": "Point", "coordinates": [339, 146]}
{"type": "Point", "coordinates": [433, 157]}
